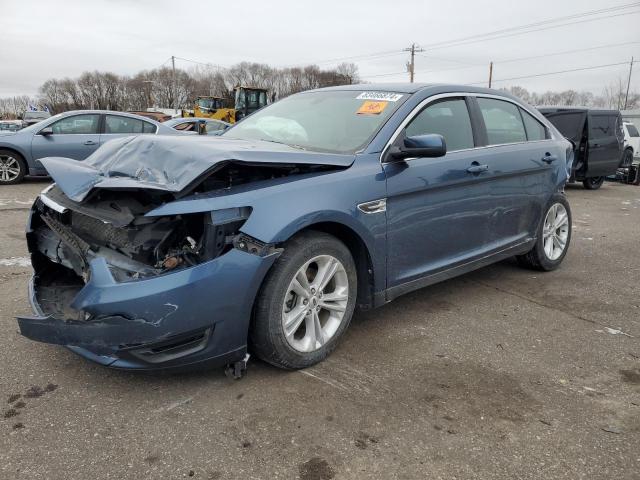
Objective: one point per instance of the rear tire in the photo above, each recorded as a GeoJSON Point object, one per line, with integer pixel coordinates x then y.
{"type": "Point", "coordinates": [298, 318]}
{"type": "Point", "coordinates": [13, 168]}
{"type": "Point", "coordinates": [554, 231]}
{"type": "Point", "coordinates": [627, 158]}
{"type": "Point", "coordinates": [593, 183]}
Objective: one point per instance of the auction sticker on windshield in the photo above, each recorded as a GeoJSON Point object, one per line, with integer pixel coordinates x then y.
{"type": "Point", "coordinates": [380, 96]}
{"type": "Point", "coordinates": [371, 108]}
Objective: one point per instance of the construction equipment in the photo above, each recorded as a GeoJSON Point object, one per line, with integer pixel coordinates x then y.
{"type": "Point", "coordinates": [246, 101]}
{"type": "Point", "coordinates": [211, 107]}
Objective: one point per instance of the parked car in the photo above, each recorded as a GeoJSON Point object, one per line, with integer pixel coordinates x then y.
{"type": "Point", "coordinates": [211, 126]}
{"type": "Point", "coordinates": [10, 125]}
{"type": "Point", "coordinates": [597, 138]}
{"type": "Point", "coordinates": [182, 251]}
{"type": "Point", "coordinates": [32, 117]}
{"type": "Point", "coordinates": [631, 153]}
{"type": "Point", "coordinates": [75, 135]}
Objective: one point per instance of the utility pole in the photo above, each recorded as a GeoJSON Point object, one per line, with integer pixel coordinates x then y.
{"type": "Point", "coordinates": [490, 73]}
{"type": "Point", "coordinates": [626, 97]}
{"type": "Point", "coordinates": [175, 95]}
{"type": "Point", "coordinates": [411, 65]}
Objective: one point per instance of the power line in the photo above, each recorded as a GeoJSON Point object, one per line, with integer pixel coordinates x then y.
{"type": "Point", "coordinates": [543, 23]}
{"type": "Point", "coordinates": [512, 31]}
{"type": "Point", "coordinates": [201, 63]}
{"type": "Point", "coordinates": [552, 73]}
{"type": "Point", "coordinates": [513, 34]}
{"type": "Point", "coordinates": [510, 60]}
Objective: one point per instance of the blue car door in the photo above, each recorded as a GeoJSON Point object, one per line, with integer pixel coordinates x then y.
{"type": "Point", "coordinates": [523, 161]}
{"type": "Point", "coordinates": [75, 136]}
{"type": "Point", "coordinates": [438, 209]}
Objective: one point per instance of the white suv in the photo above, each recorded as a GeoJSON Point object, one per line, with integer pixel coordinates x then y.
{"type": "Point", "coordinates": [631, 151]}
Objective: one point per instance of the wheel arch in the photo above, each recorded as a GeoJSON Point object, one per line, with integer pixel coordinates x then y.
{"type": "Point", "coordinates": [360, 253]}
{"type": "Point", "coordinates": [16, 151]}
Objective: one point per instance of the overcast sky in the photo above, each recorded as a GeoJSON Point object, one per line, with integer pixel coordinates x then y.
{"type": "Point", "coordinates": [45, 39]}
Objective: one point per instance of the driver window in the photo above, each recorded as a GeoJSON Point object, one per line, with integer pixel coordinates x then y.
{"type": "Point", "coordinates": [449, 118]}
{"type": "Point", "coordinates": [77, 124]}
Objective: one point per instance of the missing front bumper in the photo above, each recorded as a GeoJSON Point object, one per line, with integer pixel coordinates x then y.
{"type": "Point", "coordinates": [185, 317]}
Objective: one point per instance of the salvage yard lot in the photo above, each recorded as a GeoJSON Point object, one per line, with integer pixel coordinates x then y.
{"type": "Point", "coordinates": [503, 373]}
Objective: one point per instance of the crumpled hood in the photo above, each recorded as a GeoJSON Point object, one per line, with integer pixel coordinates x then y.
{"type": "Point", "coordinates": [170, 163]}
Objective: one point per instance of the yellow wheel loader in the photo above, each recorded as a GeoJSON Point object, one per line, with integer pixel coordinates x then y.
{"type": "Point", "coordinates": [247, 100]}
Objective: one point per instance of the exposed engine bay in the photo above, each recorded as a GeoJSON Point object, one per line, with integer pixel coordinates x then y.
{"type": "Point", "coordinates": [110, 224]}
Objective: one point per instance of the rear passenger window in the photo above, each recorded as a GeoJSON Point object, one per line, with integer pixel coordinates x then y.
{"type": "Point", "coordinates": [148, 127]}
{"type": "Point", "coordinates": [535, 130]}
{"type": "Point", "coordinates": [118, 124]}
{"type": "Point", "coordinates": [449, 118]}
{"type": "Point", "coordinates": [502, 120]}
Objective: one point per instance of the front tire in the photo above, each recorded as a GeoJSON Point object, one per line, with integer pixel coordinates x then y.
{"type": "Point", "coordinates": [306, 302]}
{"type": "Point", "coordinates": [553, 237]}
{"type": "Point", "coordinates": [593, 183]}
{"type": "Point", "coordinates": [12, 167]}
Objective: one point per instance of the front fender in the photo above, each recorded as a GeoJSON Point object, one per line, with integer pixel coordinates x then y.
{"type": "Point", "coordinates": [16, 148]}
{"type": "Point", "coordinates": [284, 206]}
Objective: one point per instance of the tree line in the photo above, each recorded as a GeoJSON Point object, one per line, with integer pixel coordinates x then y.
{"type": "Point", "coordinates": [612, 97]}
{"type": "Point", "coordinates": [156, 88]}
{"type": "Point", "coordinates": [162, 88]}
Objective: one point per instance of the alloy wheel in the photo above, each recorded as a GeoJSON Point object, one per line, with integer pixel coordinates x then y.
{"type": "Point", "coordinates": [315, 303]}
{"type": "Point", "coordinates": [9, 168]}
{"type": "Point", "coordinates": [555, 231]}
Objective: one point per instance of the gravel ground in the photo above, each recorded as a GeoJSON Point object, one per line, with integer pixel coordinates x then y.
{"type": "Point", "coordinates": [502, 373]}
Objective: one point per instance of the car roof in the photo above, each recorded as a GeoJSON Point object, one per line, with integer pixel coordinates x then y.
{"type": "Point", "coordinates": [383, 87]}
{"type": "Point", "coordinates": [111, 112]}
{"type": "Point", "coordinates": [412, 88]}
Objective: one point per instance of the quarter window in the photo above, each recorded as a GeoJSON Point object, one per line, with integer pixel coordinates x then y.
{"type": "Point", "coordinates": [118, 124]}
{"type": "Point", "coordinates": [449, 118]}
{"type": "Point", "coordinates": [535, 130]}
{"type": "Point", "coordinates": [77, 124]}
{"type": "Point", "coordinates": [502, 120]}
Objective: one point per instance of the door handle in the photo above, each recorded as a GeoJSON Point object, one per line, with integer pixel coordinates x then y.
{"type": "Point", "coordinates": [548, 158]}
{"type": "Point", "coordinates": [477, 168]}
{"type": "Point", "coordinates": [90, 142]}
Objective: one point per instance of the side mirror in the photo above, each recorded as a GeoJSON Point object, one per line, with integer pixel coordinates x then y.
{"type": "Point", "coordinates": [46, 131]}
{"type": "Point", "coordinates": [431, 145]}
{"type": "Point", "coordinates": [202, 128]}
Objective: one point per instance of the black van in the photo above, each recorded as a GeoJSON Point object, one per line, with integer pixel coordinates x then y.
{"type": "Point", "coordinates": [597, 138]}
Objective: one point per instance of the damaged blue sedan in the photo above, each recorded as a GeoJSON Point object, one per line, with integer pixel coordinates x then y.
{"type": "Point", "coordinates": [166, 252]}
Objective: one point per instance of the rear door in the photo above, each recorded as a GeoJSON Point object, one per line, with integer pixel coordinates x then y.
{"type": "Point", "coordinates": [523, 164]}
{"type": "Point", "coordinates": [604, 152]}
{"type": "Point", "coordinates": [74, 137]}
{"type": "Point", "coordinates": [116, 126]}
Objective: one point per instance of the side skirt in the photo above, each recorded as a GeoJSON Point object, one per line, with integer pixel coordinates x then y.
{"type": "Point", "coordinates": [518, 249]}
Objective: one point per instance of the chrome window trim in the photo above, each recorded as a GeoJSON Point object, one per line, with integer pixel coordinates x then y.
{"type": "Point", "coordinates": [418, 108]}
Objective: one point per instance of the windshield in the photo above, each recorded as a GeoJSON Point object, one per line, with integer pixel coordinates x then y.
{"type": "Point", "coordinates": [327, 121]}
{"type": "Point", "coordinates": [210, 103]}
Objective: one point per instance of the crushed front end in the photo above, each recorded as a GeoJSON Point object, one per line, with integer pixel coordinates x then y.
{"type": "Point", "coordinates": [133, 291]}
